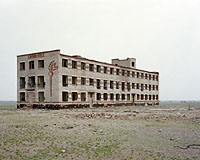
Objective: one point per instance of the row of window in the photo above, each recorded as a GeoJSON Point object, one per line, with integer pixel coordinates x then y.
{"type": "Point", "coordinates": [31, 65]}
{"type": "Point", "coordinates": [111, 85]}
{"type": "Point", "coordinates": [104, 69]}
{"type": "Point", "coordinates": [31, 82]}
{"type": "Point", "coordinates": [112, 97]}
{"type": "Point", "coordinates": [41, 97]}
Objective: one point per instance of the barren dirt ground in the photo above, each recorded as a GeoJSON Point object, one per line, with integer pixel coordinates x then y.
{"type": "Point", "coordinates": [134, 132]}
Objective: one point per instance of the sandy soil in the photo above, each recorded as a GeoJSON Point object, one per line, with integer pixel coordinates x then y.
{"type": "Point", "coordinates": [135, 132]}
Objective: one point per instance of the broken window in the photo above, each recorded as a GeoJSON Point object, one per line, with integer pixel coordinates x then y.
{"type": "Point", "coordinates": [105, 69]}
{"type": "Point", "coordinates": [111, 71]}
{"type": "Point", "coordinates": [91, 67]}
{"type": "Point", "coordinates": [40, 63]}
{"type": "Point", "coordinates": [83, 96]}
{"type": "Point", "coordinates": [133, 85]}
{"type": "Point", "coordinates": [133, 74]}
{"type": "Point", "coordinates": [142, 87]}
{"type": "Point", "coordinates": [83, 66]}
{"type": "Point", "coordinates": [153, 87]}
{"type": "Point", "coordinates": [146, 86]}
{"type": "Point", "coordinates": [31, 82]}
{"type": "Point", "coordinates": [98, 68]}
{"type": "Point", "coordinates": [128, 73]}
{"type": "Point", "coordinates": [128, 86]}
{"type": "Point", "coordinates": [111, 96]}
{"type": "Point", "coordinates": [65, 96]}
{"type": "Point", "coordinates": [123, 72]}
{"type": "Point", "coordinates": [153, 77]}
{"type": "Point", "coordinates": [133, 64]}
{"type": "Point", "coordinates": [142, 97]}
{"type": "Point", "coordinates": [149, 77]}
{"type": "Point", "coordinates": [117, 85]}
{"type": "Point", "coordinates": [74, 80]}
{"type": "Point", "coordinates": [146, 97]}
{"type": "Point", "coordinates": [22, 66]}
{"type": "Point", "coordinates": [156, 97]}
{"type": "Point", "coordinates": [91, 81]}
{"type": "Point", "coordinates": [105, 96]}
{"type": "Point", "coordinates": [142, 75]}
{"type": "Point", "coordinates": [31, 65]}
{"type": "Point", "coordinates": [149, 97]}
{"type": "Point", "coordinates": [74, 64]}
{"type": "Point", "coordinates": [83, 81]}
{"type": "Point", "coordinates": [123, 97]}
{"type": "Point", "coordinates": [153, 97]}
{"type": "Point", "coordinates": [105, 84]}
{"type": "Point", "coordinates": [128, 97]}
{"type": "Point", "coordinates": [98, 96]}
{"type": "Point", "coordinates": [123, 86]}
{"type": "Point", "coordinates": [41, 83]}
{"type": "Point", "coordinates": [157, 87]}
{"type": "Point", "coordinates": [111, 85]}
{"type": "Point", "coordinates": [41, 96]}
{"type": "Point", "coordinates": [117, 97]}
{"type": "Point", "coordinates": [149, 87]}
{"type": "Point", "coordinates": [138, 75]}
{"type": "Point", "coordinates": [156, 78]}
{"type": "Point", "coordinates": [117, 72]}
{"type": "Point", "coordinates": [146, 76]}
{"type": "Point", "coordinates": [74, 96]}
{"type": "Point", "coordinates": [98, 84]}
{"type": "Point", "coordinates": [64, 63]}
{"type": "Point", "coordinates": [22, 96]}
{"type": "Point", "coordinates": [65, 80]}
{"type": "Point", "coordinates": [22, 82]}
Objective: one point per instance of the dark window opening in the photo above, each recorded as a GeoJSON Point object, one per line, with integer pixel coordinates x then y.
{"type": "Point", "coordinates": [117, 72]}
{"type": "Point", "coordinates": [65, 96]}
{"type": "Point", "coordinates": [123, 97]}
{"type": "Point", "coordinates": [133, 74]}
{"type": "Point", "coordinates": [22, 82]}
{"type": "Point", "coordinates": [111, 71]}
{"type": "Point", "coordinates": [83, 96]}
{"type": "Point", "coordinates": [91, 81]}
{"type": "Point", "coordinates": [128, 86]}
{"type": "Point", "coordinates": [105, 96]}
{"type": "Point", "coordinates": [149, 77]}
{"type": "Point", "coordinates": [111, 96]}
{"type": "Point", "coordinates": [138, 75]}
{"type": "Point", "coordinates": [138, 86]}
{"type": "Point", "coordinates": [99, 68]}
{"type": "Point", "coordinates": [98, 84]}
{"type": "Point", "coordinates": [123, 72]}
{"type": "Point", "coordinates": [111, 85]}
{"type": "Point", "coordinates": [123, 86]}
{"type": "Point", "coordinates": [31, 82]}
{"type": "Point", "coordinates": [83, 81]}
{"type": "Point", "coordinates": [105, 69]}
{"type": "Point", "coordinates": [105, 84]}
{"type": "Point", "coordinates": [133, 85]}
{"type": "Point", "coordinates": [41, 97]}
{"type": "Point", "coordinates": [65, 80]}
{"type": "Point", "coordinates": [146, 97]}
{"type": "Point", "coordinates": [128, 73]}
{"type": "Point", "coordinates": [142, 87]}
{"type": "Point", "coordinates": [117, 97]}
{"type": "Point", "coordinates": [138, 96]}
{"type": "Point", "coordinates": [31, 65]}
{"type": "Point", "coordinates": [74, 80]}
{"type": "Point", "coordinates": [22, 97]}
{"type": "Point", "coordinates": [64, 63]}
{"type": "Point", "coordinates": [133, 64]}
{"type": "Point", "coordinates": [91, 67]}
{"type": "Point", "coordinates": [142, 75]}
{"type": "Point", "coordinates": [142, 97]}
{"type": "Point", "coordinates": [146, 76]}
{"type": "Point", "coordinates": [40, 63]}
{"type": "Point", "coordinates": [83, 66]}
{"type": "Point", "coordinates": [98, 96]}
{"type": "Point", "coordinates": [22, 66]}
{"type": "Point", "coordinates": [74, 96]}
{"type": "Point", "coordinates": [117, 85]}
{"type": "Point", "coordinates": [149, 87]}
{"type": "Point", "coordinates": [128, 97]}
{"type": "Point", "coordinates": [74, 64]}
{"type": "Point", "coordinates": [41, 83]}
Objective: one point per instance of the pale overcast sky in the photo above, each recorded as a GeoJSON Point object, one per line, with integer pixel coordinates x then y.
{"type": "Point", "coordinates": [163, 35]}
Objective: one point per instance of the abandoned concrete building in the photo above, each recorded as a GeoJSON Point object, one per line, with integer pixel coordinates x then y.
{"type": "Point", "coordinates": [50, 79]}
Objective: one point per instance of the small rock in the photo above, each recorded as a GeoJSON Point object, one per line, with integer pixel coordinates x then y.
{"type": "Point", "coordinates": [45, 125]}
{"type": "Point", "coordinates": [172, 139]}
{"type": "Point", "coordinates": [63, 151]}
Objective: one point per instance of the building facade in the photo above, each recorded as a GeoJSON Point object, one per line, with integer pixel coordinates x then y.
{"type": "Point", "coordinates": [53, 80]}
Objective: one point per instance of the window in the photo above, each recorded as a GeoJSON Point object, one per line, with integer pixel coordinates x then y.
{"type": "Point", "coordinates": [98, 84]}
{"type": "Point", "coordinates": [74, 64]}
{"type": "Point", "coordinates": [83, 81]}
{"type": "Point", "coordinates": [153, 97]}
{"type": "Point", "coordinates": [128, 86]}
{"type": "Point", "coordinates": [105, 84]}
{"type": "Point", "coordinates": [146, 97]}
{"type": "Point", "coordinates": [74, 96]}
{"type": "Point", "coordinates": [31, 82]}
{"type": "Point", "coordinates": [22, 82]}
{"type": "Point", "coordinates": [91, 67]}
{"type": "Point", "coordinates": [156, 97]}
{"type": "Point", "coordinates": [128, 73]}
{"type": "Point", "coordinates": [138, 86]}
{"type": "Point", "coordinates": [111, 85]}
{"type": "Point", "coordinates": [128, 97]}
{"type": "Point", "coordinates": [117, 97]}
{"type": "Point", "coordinates": [83, 96]}
{"type": "Point", "coordinates": [41, 96]}
{"type": "Point", "coordinates": [142, 97]}
{"type": "Point", "coordinates": [111, 96]}
{"type": "Point", "coordinates": [99, 68]}
{"type": "Point", "coordinates": [138, 96]}
{"type": "Point", "coordinates": [153, 87]}
{"type": "Point", "coordinates": [157, 87]}
{"type": "Point", "coordinates": [146, 76]}
{"type": "Point", "coordinates": [40, 63]}
{"type": "Point", "coordinates": [65, 80]}
{"type": "Point", "coordinates": [149, 97]}
{"type": "Point", "coordinates": [105, 96]}
{"type": "Point", "coordinates": [74, 80]}
{"type": "Point", "coordinates": [41, 83]}
{"type": "Point", "coordinates": [117, 85]}
{"type": "Point", "coordinates": [31, 65]}
{"type": "Point", "coordinates": [123, 86]}
{"type": "Point", "coordinates": [22, 96]}
{"type": "Point", "coordinates": [64, 63]}
{"type": "Point", "coordinates": [111, 71]}
{"type": "Point", "coordinates": [133, 64]}
{"type": "Point", "coordinates": [133, 74]}
{"type": "Point", "coordinates": [83, 66]}
{"type": "Point", "coordinates": [142, 75]}
{"type": "Point", "coordinates": [138, 75]}
{"type": "Point", "coordinates": [98, 96]}
{"type": "Point", "coordinates": [91, 82]}
{"type": "Point", "coordinates": [123, 97]}
{"type": "Point", "coordinates": [156, 78]}
{"type": "Point", "coordinates": [133, 85]}
{"type": "Point", "coordinates": [153, 77]}
{"type": "Point", "coordinates": [149, 87]}
{"type": "Point", "coordinates": [65, 96]}
{"type": "Point", "coordinates": [146, 86]}
{"type": "Point", "coordinates": [149, 77]}
{"type": "Point", "coordinates": [142, 87]}
{"type": "Point", "coordinates": [117, 72]}
{"type": "Point", "coordinates": [123, 72]}
{"type": "Point", "coordinates": [105, 69]}
{"type": "Point", "coordinates": [22, 66]}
